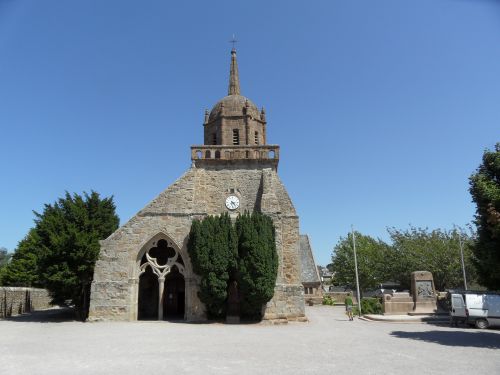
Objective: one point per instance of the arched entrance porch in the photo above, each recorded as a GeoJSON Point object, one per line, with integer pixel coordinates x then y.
{"type": "Point", "coordinates": [161, 283]}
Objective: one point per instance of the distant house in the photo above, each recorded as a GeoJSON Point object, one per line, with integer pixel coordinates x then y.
{"type": "Point", "coordinates": [326, 277]}
{"type": "Point", "coordinates": [310, 277]}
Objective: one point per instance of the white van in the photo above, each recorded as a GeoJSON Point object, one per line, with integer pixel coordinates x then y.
{"type": "Point", "coordinates": [481, 309]}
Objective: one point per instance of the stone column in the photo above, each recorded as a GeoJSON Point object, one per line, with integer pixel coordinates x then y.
{"type": "Point", "coordinates": [161, 286]}
{"type": "Point", "coordinates": [134, 298]}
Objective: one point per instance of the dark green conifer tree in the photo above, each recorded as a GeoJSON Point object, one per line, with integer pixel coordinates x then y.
{"type": "Point", "coordinates": [212, 247]}
{"type": "Point", "coordinates": [257, 262]}
{"type": "Point", "coordinates": [69, 232]}
{"type": "Point", "coordinates": [23, 268]}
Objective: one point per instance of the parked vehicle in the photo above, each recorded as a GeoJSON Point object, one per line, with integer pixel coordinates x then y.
{"type": "Point", "coordinates": [481, 309]}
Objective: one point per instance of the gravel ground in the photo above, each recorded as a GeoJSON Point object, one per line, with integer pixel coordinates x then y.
{"type": "Point", "coordinates": [328, 344]}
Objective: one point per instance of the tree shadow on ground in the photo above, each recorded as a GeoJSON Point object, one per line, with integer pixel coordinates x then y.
{"type": "Point", "coordinates": [489, 340]}
{"type": "Point", "coordinates": [54, 315]}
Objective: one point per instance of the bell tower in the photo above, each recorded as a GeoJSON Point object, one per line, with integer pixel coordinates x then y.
{"type": "Point", "coordinates": [235, 129]}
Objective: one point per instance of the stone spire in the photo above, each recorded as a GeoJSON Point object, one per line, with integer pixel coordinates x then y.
{"type": "Point", "coordinates": [234, 79]}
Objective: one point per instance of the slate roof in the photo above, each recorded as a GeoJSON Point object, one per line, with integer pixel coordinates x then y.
{"type": "Point", "coordinates": [309, 269]}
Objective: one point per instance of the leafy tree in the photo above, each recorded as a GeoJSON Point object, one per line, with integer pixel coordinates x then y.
{"type": "Point", "coordinates": [68, 234]}
{"type": "Point", "coordinates": [257, 262]}
{"type": "Point", "coordinates": [23, 268]}
{"type": "Point", "coordinates": [4, 261]}
{"type": "Point", "coordinates": [485, 191]}
{"type": "Point", "coordinates": [212, 247]}
{"type": "Point", "coordinates": [4, 257]}
{"type": "Point", "coordinates": [372, 258]}
{"type": "Point", "coordinates": [437, 251]}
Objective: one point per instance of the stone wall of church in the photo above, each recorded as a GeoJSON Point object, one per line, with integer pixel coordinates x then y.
{"type": "Point", "coordinates": [201, 191]}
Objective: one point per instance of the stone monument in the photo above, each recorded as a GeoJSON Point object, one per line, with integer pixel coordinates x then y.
{"type": "Point", "coordinates": [144, 270]}
{"type": "Point", "coordinates": [423, 292]}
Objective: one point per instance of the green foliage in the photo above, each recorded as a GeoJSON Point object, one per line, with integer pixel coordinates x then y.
{"type": "Point", "coordinates": [328, 300]}
{"type": "Point", "coordinates": [371, 306]}
{"type": "Point", "coordinates": [23, 268]}
{"type": "Point", "coordinates": [372, 258]}
{"type": "Point", "coordinates": [437, 251]}
{"type": "Point", "coordinates": [368, 306]}
{"type": "Point", "coordinates": [60, 252]}
{"type": "Point", "coordinates": [485, 191]}
{"type": "Point", "coordinates": [415, 249]}
{"type": "Point", "coordinates": [246, 253]}
{"type": "Point", "coordinates": [4, 257]}
{"type": "Point", "coordinates": [212, 247]}
{"type": "Point", "coordinates": [4, 261]}
{"type": "Point", "coordinates": [257, 262]}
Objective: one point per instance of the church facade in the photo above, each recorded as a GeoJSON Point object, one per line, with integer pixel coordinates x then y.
{"type": "Point", "coordinates": [144, 270]}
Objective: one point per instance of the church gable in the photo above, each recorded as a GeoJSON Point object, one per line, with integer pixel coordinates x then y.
{"type": "Point", "coordinates": [234, 171]}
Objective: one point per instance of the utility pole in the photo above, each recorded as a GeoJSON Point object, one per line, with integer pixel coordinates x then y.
{"type": "Point", "coordinates": [462, 258]}
{"type": "Point", "coordinates": [356, 268]}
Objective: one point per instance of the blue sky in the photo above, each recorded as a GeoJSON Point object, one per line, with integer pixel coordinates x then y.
{"type": "Point", "coordinates": [382, 108]}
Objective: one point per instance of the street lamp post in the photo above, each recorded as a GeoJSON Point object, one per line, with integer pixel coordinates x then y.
{"type": "Point", "coordinates": [462, 259]}
{"type": "Point", "coordinates": [356, 269]}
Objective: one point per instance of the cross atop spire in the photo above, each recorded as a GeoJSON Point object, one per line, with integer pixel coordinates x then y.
{"type": "Point", "coordinates": [234, 79]}
{"type": "Point", "coordinates": [233, 41]}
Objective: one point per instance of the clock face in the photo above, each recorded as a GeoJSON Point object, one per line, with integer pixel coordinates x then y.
{"type": "Point", "coordinates": [232, 202]}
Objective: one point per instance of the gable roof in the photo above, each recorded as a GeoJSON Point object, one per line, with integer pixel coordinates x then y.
{"type": "Point", "coordinates": [309, 269]}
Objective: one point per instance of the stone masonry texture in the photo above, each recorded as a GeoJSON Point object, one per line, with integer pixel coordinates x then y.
{"type": "Point", "coordinates": [201, 191]}
{"type": "Point", "coordinates": [242, 165]}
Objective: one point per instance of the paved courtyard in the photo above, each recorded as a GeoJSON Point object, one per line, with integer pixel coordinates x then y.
{"type": "Point", "coordinates": [328, 344]}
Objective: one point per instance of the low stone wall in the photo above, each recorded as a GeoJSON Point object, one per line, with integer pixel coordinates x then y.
{"type": "Point", "coordinates": [397, 303]}
{"type": "Point", "coordinates": [17, 300]}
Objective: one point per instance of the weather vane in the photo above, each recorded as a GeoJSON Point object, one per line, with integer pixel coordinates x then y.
{"type": "Point", "coordinates": [233, 41]}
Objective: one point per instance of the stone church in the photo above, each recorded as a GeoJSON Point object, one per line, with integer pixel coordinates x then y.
{"type": "Point", "coordinates": [144, 270]}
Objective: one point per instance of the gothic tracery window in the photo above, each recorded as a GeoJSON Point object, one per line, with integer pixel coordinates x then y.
{"type": "Point", "coordinates": [161, 259]}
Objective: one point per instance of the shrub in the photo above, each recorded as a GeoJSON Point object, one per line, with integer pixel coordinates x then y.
{"type": "Point", "coordinates": [369, 306]}
{"type": "Point", "coordinates": [328, 300]}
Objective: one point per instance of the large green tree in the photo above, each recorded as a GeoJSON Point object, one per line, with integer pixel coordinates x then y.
{"type": "Point", "coordinates": [213, 248]}
{"type": "Point", "coordinates": [414, 249]}
{"type": "Point", "coordinates": [372, 257]}
{"type": "Point", "coordinates": [23, 268]}
{"type": "Point", "coordinates": [4, 257]}
{"type": "Point", "coordinates": [437, 251]}
{"type": "Point", "coordinates": [68, 234]}
{"type": "Point", "coordinates": [4, 261]}
{"type": "Point", "coordinates": [485, 191]}
{"type": "Point", "coordinates": [257, 262]}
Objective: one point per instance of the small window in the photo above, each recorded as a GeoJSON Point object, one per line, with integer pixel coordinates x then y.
{"type": "Point", "coordinates": [458, 301]}
{"type": "Point", "coordinates": [256, 138]}
{"type": "Point", "coordinates": [214, 139]}
{"type": "Point", "coordinates": [236, 137]}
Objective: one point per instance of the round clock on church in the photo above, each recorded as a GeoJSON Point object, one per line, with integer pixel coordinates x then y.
{"type": "Point", "coordinates": [232, 202]}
